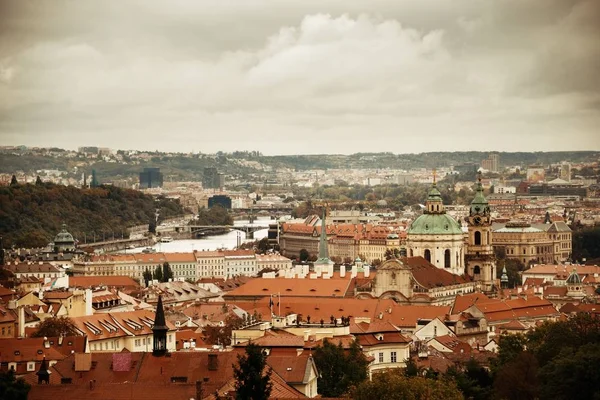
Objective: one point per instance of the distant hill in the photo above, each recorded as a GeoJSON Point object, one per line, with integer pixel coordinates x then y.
{"type": "Point", "coordinates": [253, 166]}
{"type": "Point", "coordinates": [31, 215]}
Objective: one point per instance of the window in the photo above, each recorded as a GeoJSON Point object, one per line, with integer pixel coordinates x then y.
{"type": "Point", "coordinates": [31, 366]}
{"type": "Point", "coordinates": [447, 258]}
{"type": "Point", "coordinates": [476, 270]}
{"type": "Point", "coordinates": [393, 356]}
{"type": "Point", "coordinates": [428, 255]}
{"type": "Point", "coordinates": [477, 238]}
{"type": "Point", "coordinates": [380, 357]}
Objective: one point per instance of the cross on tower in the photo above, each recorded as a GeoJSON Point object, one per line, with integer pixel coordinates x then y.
{"type": "Point", "coordinates": [434, 176]}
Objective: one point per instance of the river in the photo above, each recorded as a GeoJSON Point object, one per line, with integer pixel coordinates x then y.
{"type": "Point", "coordinates": [227, 241]}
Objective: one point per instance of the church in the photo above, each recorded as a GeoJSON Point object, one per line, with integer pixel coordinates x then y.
{"type": "Point", "coordinates": [440, 239]}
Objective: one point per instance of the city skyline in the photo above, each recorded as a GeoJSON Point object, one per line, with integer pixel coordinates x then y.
{"type": "Point", "coordinates": [301, 77]}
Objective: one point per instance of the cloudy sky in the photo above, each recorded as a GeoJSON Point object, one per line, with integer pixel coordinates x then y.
{"type": "Point", "coordinates": [301, 76]}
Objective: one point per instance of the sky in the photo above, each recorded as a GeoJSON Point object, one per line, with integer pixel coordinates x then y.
{"type": "Point", "coordinates": [301, 76]}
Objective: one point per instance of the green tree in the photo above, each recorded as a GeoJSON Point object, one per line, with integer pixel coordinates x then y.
{"type": "Point", "coordinates": [221, 335]}
{"type": "Point", "coordinates": [216, 215]}
{"type": "Point", "coordinates": [394, 385]}
{"type": "Point", "coordinates": [304, 255]}
{"type": "Point", "coordinates": [158, 274]}
{"type": "Point", "coordinates": [252, 381]}
{"type": "Point", "coordinates": [12, 388]}
{"type": "Point", "coordinates": [339, 371]}
{"type": "Point", "coordinates": [167, 273]}
{"type": "Point", "coordinates": [572, 375]}
{"type": "Point", "coordinates": [38, 181]}
{"type": "Point", "coordinates": [517, 379]}
{"type": "Point", "coordinates": [14, 181]}
{"type": "Point", "coordinates": [55, 326]}
{"type": "Point", "coordinates": [147, 276]}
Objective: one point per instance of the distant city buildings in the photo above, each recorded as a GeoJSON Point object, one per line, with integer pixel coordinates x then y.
{"type": "Point", "coordinates": [151, 178]}
{"type": "Point", "coordinates": [492, 163]}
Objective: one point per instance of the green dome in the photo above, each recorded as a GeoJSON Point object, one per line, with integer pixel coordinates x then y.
{"type": "Point", "coordinates": [435, 224]}
{"type": "Point", "coordinates": [64, 237]}
{"type": "Point", "coordinates": [574, 278]}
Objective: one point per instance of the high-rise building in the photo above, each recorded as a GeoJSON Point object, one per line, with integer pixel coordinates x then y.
{"type": "Point", "coordinates": [492, 163]}
{"type": "Point", "coordinates": [565, 172]}
{"type": "Point", "coordinates": [212, 179]}
{"type": "Point", "coordinates": [151, 178]}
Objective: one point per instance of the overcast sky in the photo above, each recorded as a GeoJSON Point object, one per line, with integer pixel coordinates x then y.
{"type": "Point", "coordinates": [301, 76]}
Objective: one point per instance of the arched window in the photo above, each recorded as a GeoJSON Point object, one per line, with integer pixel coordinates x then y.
{"type": "Point", "coordinates": [488, 238]}
{"type": "Point", "coordinates": [447, 258]}
{"type": "Point", "coordinates": [476, 270]}
{"type": "Point", "coordinates": [477, 238]}
{"type": "Point", "coordinates": [411, 253]}
{"type": "Point", "coordinates": [428, 255]}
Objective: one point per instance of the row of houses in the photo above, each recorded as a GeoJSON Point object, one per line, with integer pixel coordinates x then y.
{"type": "Point", "coordinates": [191, 266]}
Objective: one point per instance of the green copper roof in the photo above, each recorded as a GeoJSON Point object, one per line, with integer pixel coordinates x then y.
{"type": "Point", "coordinates": [434, 194]}
{"type": "Point", "coordinates": [574, 278]}
{"type": "Point", "coordinates": [435, 224]}
{"type": "Point", "coordinates": [479, 205]}
{"type": "Point", "coordinates": [323, 250]}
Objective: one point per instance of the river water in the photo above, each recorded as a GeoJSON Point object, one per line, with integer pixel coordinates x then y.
{"type": "Point", "coordinates": [226, 241]}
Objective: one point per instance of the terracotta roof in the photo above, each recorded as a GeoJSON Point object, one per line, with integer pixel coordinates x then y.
{"type": "Point", "coordinates": [447, 341]}
{"type": "Point", "coordinates": [293, 369]}
{"type": "Point", "coordinates": [95, 281]}
{"type": "Point", "coordinates": [180, 257]}
{"type": "Point", "coordinates": [24, 268]}
{"type": "Point", "coordinates": [277, 338]}
{"type": "Point", "coordinates": [462, 302]}
{"type": "Point", "coordinates": [429, 276]}
{"type": "Point", "coordinates": [292, 287]}
{"type": "Point", "coordinates": [150, 258]}
{"type": "Point", "coordinates": [513, 325]}
{"type": "Point", "coordinates": [57, 295]}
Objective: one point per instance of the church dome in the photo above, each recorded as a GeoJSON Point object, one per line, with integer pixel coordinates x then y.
{"type": "Point", "coordinates": [435, 224]}
{"type": "Point", "coordinates": [64, 237]}
{"type": "Point", "coordinates": [574, 278]}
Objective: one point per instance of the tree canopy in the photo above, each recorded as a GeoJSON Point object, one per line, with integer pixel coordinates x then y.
{"type": "Point", "coordinates": [55, 326]}
{"type": "Point", "coordinates": [339, 370]}
{"type": "Point", "coordinates": [395, 385]}
{"type": "Point", "coordinates": [12, 388]}
{"type": "Point", "coordinates": [252, 375]}
{"type": "Point", "coordinates": [31, 215]}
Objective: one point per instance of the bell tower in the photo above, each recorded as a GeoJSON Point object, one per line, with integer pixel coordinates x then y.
{"type": "Point", "coordinates": [480, 259]}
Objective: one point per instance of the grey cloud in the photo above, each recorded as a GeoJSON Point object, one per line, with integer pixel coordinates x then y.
{"type": "Point", "coordinates": [384, 73]}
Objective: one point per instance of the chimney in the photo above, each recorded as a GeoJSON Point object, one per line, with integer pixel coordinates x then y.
{"type": "Point", "coordinates": [213, 362]}
{"type": "Point", "coordinates": [342, 271]}
{"type": "Point", "coordinates": [21, 313]}
{"type": "Point", "coordinates": [199, 394]}
{"type": "Point", "coordinates": [367, 270]}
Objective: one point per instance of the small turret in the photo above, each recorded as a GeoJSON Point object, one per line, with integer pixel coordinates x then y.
{"type": "Point", "coordinates": [43, 373]}
{"type": "Point", "coordinates": [504, 278]}
{"type": "Point", "coordinates": [159, 330]}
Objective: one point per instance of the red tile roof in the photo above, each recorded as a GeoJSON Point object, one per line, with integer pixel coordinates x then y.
{"type": "Point", "coordinates": [96, 281]}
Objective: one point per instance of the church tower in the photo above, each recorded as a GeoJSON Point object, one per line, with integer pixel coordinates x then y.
{"type": "Point", "coordinates": [480, 259]}
{"type": "Point", "coordinates": [159, 331]}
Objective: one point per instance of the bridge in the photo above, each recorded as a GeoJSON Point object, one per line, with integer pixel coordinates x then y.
{"type": "Point", "coordinates": [198, 231]}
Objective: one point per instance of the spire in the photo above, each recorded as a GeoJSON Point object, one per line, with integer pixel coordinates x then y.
{"type": "Point", "coordinates": [547, 219]}
{"type": "Point", "coordinates": [43, 373]}
{"type": "Point", "coordinates": [159, 330]}
{"type": "Point", "coordinates": [434, 177]}
{"type": "Point", "coordinates": [323, 250]}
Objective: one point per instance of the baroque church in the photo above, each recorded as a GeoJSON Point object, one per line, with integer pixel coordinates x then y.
{"type": "Point", "coordinates": [440, 239]}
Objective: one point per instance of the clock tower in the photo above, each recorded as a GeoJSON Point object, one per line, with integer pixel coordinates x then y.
{"type": "Point", "coordinates": [480, 259]}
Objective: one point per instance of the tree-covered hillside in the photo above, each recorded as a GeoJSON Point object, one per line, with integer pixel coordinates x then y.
{"type": "Point", "coordinates": [31, 215]}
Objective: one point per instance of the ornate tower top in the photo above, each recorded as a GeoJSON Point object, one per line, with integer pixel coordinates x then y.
{"type": "Point", "coordinates": [159, 330]}
{"type": "Point", "coordinates": [479, 205]}
{"type": "Point", "coordinates": [434, 203]}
